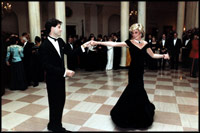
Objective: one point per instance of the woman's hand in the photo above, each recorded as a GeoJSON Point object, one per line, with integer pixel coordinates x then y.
{"type": "Point", "coordinates": [166, 56]}
{"type": "Point", "coordinates": [93, 43]}
{"type": "Point", "coordinates": [87, 44]}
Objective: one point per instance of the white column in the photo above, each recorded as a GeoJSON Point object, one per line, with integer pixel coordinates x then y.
{"type": "Point", "coordinates": [142, 14]}
{"type": "Point", "coordinates": [124, 29]}
{"type": "Point", "coordinates": [60, 15]}
{"type": "Point", "coordinates": [180, 19]}
{"type": "Point", "coordinates": [190, 15]}
{"type": "Point", "coordinates": [34, 20]}
{"type": "Point", "coordinates": [180, 23]}
{"type": "Point", "coordinates": [197, 16]}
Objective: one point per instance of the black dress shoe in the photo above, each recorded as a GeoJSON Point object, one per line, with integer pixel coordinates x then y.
{"type": "Point", "coordinates": [57, 129]}
{"type": "Point", "coordinates": [35, 84]}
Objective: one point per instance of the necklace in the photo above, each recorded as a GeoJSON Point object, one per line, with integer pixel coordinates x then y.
{"type": "Point", "coordinates": [138, 41]}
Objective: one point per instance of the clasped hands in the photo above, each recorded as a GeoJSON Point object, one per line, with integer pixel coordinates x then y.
{"type": "Point", "coordinates": [89, 43]}
{"type": "Point", "coordinates": [166, 56]}
{"type": "Point", "coordinates": [71, 73]}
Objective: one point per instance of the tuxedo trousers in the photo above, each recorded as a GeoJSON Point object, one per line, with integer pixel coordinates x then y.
{"type": "Point", "coordinates": [56, 99]}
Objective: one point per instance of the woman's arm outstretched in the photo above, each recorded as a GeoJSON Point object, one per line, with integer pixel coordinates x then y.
{"type": "Point", "coordinates": [109, 43]}
{"type": "Point", "coordinates": [157, 56]}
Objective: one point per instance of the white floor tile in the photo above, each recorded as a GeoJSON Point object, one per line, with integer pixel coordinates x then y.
{"type": "Point", "coordinates": [191, 121]}
{"type": "Point", "coordinates": [166, 107]}
{"type": "Point", "coordinates": [87, 107]}
{"type": "Point", "coordinates": [13, 119]}
{"type": "Point", "coordinates": [101, 122]}
{"type": "Point", "coordinates": [13, 106]}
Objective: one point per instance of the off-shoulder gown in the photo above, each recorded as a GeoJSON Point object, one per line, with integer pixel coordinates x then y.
{"type": "Point", "coordinates": [133, 109]}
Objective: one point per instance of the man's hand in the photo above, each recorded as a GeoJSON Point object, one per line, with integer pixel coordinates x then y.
{"type": "Point", "coordinates": [166, 56]}
{"type": "Point", "coordinates": [7, 63]}
{"type": "Point", "coordinates": [70, 73]}
{"type": "Point", "coordinates": [87, 44]}
{"type": "Point", "coordinates": [93, 43]}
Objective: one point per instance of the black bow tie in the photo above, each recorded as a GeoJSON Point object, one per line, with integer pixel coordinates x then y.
{"type": "Point", "coordinates": [53, 38]}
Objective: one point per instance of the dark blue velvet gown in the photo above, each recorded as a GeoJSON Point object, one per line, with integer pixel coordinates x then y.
{"type": "Point", "coordinates": [133, 109]}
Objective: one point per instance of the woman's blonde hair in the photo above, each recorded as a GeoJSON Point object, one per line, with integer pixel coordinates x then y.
{"type": "Point", "coordinates": [137, 26]}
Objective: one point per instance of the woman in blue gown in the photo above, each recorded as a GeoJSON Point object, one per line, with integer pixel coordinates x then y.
{"type": "Point", "coordinates": [133, 109]}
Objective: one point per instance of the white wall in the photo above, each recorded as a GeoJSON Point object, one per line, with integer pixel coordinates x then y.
{"type": "Point", "coordinates": [78, 14]}
{"type": "Point", "coordinates": [107, 12]}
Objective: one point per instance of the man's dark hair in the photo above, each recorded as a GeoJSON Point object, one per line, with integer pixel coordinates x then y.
{"type": "Point", "coordinates": [13, 40]}
{"type": "Point", "coordinates": [24, 33]}
{"type": "Point", "coordinates": [37, 39]}
{"type": "Point", "coordinates": [99, 36]}
{"type": "Point", "coordinates": [51, 23]}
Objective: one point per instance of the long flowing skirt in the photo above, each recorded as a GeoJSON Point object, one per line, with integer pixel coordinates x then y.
{"type": "Point", "coordinates": [133, 109]}
{"type": "Point", "coordinates": [18, 80]}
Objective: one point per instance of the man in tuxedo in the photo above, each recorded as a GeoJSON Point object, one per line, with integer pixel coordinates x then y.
{"type": "Point", "coordinates": [117, 53]}
{"type": "Point", "coordinates": [101, 54]}
{"type": "Point", "coordinates": [186, 47]}
{"type": "Point", "coordinates": [175, 45]}
{"type": "Point", "coordinates": [27, 56]}
{"type": "Point", "coordinates": [52, 52]}
{"type": "Point", "coordinates": [72, 59]}
{"type": "Point", "coordinates": [163, 46]}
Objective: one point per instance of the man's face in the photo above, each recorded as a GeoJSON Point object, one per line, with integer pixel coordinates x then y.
{"type": "Point", "coordinates": [175, 35]}
{"type": "Point", "coordinates": [70, 40]}
{"type": "Point", "coordinates": [57, 30]}
{"type": "Point", "coordinates": [163, 36]}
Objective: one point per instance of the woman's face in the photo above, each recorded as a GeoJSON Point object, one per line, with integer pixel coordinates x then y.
{"type": "Point", "coordinates": [92, 38]}
{"type": "Point", "coordinates": [136, 34]}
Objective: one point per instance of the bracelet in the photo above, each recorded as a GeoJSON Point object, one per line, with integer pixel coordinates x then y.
{"type": "Point", "coordinates": [84, 46]}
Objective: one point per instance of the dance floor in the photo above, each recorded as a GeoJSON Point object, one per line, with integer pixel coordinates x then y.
{"type": "Point", "coordinates": [91, 95]}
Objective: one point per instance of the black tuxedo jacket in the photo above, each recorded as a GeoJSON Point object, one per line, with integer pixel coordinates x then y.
{"type": "Point", "coordinates": [164, 49]}
{"type": "Point", "coordinates": [51, 61]}
{"type": "Point", "coordinates": [72, 58]}
{"type": "Point", "coordinates": [175, 49]}
{"type": "Point", "coordinates": [27, 53]}
{"type": "Point", "coordinates": [188, 46]}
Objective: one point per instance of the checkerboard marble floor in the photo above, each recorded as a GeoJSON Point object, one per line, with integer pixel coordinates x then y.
{"type": "Point", "coordinates": [91, 95]}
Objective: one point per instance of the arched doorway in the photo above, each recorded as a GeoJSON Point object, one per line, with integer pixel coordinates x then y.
{"type": "Point", "coordinates": [113, 24]}
{"type": "Point", "coordinates": [10, 23]}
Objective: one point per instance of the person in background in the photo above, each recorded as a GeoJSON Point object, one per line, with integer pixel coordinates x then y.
{"type": "Point", "coordinates": [101, 54]}
{"type": "Point", "coordinates": [72, 60]}
{"type": "Point", "coordinates": [163, 46]}
{"type": "Point", "coordinates": [117, 53]}
{"type": "Point", "coordinates": [91, 61]}
{"type": "Point", "coordinates": [109, 65]}
{"type": "Point", "coordinates": [186, 48]}
{"type": "Point", "coordinates": [194, 55]}
{"type": "Point", "coordinates": [174, 47]}
{"type": "Point", "coordinates": [27, 57]}
{"type": "Point", "coordinates": [15, 51]}
{"type": "Point", "coordinates": [35, 63]}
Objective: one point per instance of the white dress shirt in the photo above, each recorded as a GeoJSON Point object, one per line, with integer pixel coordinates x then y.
{"type": "Point", "coordinates": [163, 42]}
{"type": "Point", "coordinates": [175, 41]}
{"type": "Point", "coordinates": [71, 45]}
{"type": "Point", "coordinates": [25, 44]}
{"type": "Point", "coordinates": [55, 44]}
{"type": "Point", "coordinates": [186, 42]}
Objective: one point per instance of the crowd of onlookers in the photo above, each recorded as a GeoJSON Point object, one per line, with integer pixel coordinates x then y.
{"type": "Point", "coordinates": [22, 65]}
{"type": "Point", "coordinates": [22, 62]}
{"type": "Point", "coordinates": [184, 52]}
